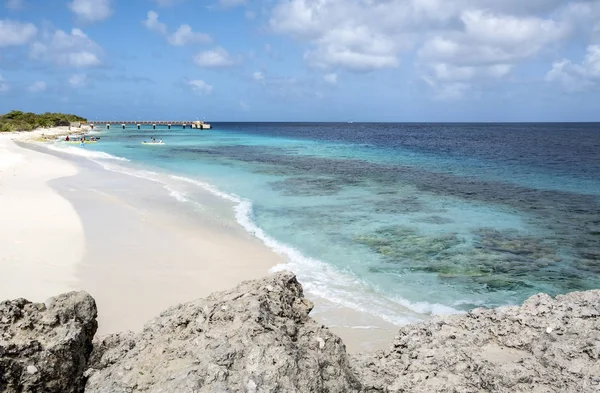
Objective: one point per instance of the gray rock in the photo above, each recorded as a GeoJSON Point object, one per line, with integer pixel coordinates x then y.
{"type": "Point", "coordinates": [545, 345]}
{"type": "Point", "coordinates": [255, 338]}
{"type": "Point", "coordinates": [44, 348]}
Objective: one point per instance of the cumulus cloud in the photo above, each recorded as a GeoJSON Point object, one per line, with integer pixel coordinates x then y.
{"type": "Point", "coordinates": [151, 22]}
{"type": "Point", "coordinates": [37, 87]}
{"type": "Point", "coordinates": [216, 58]}
{"type": "Point", "coordinates": [78, 80]}
{"type": "Point", "coordinates": [475, 39]}
{"type": "Point", "coordinates": [91, 10]}
{"type": "Point", "coordinates": [16, 33]}
{"type": "Point", "coordinates": [487, 48]}
{"type": "Point", "coordinates": [200, 87]}
{"type": "Point", "coordinates": [330, 78]}
{"type": "Point", "coordinates": [493, 39]}
{"type": "Point", "coordinates": [75, 49]}
{"type": "Point", "coordinates": [184, 35]}
{"type": "Point", "coordinates": [578, 77]}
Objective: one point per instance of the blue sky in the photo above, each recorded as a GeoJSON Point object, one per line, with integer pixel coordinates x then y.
{"type": "Point", "coordinates": [303, 60]}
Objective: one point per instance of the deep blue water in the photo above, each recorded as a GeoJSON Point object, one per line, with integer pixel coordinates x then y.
{"type": "Point", "coordinates": [387, 218]}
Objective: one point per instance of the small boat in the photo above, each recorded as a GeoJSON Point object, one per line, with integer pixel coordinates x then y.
{"type": "Point", "coordinates": [152, 143]}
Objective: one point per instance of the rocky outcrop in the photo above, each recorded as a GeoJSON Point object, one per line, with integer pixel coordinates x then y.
{"type": "Point", "coordinates": [255, 338]}
{"type": "Point", "coordinates": [545, 345]}
{"type": "Point", "coordinates": [259, 338]}
{"type": "Point", "coordinates": [45, 347]}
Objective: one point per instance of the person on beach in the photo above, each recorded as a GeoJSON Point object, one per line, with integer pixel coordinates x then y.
{"type": "Point", "coordinates": [67, 138]}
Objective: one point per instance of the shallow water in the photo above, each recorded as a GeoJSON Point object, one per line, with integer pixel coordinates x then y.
{"type": "Point", "coordinates": [393, 218]}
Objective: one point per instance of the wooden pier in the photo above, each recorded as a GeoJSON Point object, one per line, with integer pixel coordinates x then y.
{"type": "Point", "coordinates": [200, 125]}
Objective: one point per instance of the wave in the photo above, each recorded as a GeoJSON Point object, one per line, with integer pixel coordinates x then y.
{"type": "Point", "coordinates": [82, 152]}
{"type": "Point", "coordinates": [322, 279]}
{"type": "Point", "coordinates": [318, 278]}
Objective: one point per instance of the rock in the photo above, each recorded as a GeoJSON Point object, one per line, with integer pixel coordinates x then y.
{"type": "Point", "coordinates": [32, 369]}
{"type": "Point", "coordinates": [44, 348]}
{"type": "Point", "coordinates": [255, 338]}
{"type": "Point", "coordinates": [545, 345]}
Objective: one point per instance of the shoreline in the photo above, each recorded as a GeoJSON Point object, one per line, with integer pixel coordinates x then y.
{"type": "Point", "coordinates": [145, 253]}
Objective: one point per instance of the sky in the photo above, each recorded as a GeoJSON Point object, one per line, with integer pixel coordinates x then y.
{"type": "Point", "coordinates": [303, 60]}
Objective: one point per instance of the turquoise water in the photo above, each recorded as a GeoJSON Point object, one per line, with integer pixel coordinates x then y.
{"type": "Point", "coordinates": [385, 218]}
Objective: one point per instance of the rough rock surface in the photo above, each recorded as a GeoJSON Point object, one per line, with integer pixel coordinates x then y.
{"type": "Point", "coordinates": [255, 338]}
{"type": "Point", "coordinates": [545, 345]}
{"type": "Point", "coordinates": [44, 347]}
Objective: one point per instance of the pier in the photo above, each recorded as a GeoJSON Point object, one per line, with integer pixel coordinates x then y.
{"type": "Point", "coordinates": [195, 124]}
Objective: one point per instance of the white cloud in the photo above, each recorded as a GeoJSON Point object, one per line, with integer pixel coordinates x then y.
{"type": "Point", "coordinates": [493, 39]}
{"type": "Point", "coordinates": [487, 48]}
{"type": "Point", "coordinates": [452, 82]}
{"type": "Point", "coordinates": [244, 106]}
{"type": "Point", "coordinates": [75, 49]}
{"type": "Point", "coordinates": [200, 87]}
{"type": "Point", "coordinates": [216, 58]}
{"type": "Point", "coordinates": [37, 87]}
{"type": "Point", "coordinates": [330, 78]}
{"type": "Point", "coordinates": [4, 87]}
{"type": "Point", "coordinates": [479, 40]}
{"type": "Point", "coordinates": [14, 4]}
{"type": "Point", "coordinates": [578, 77]}
{"type": "Point", "coordinates": [78, 80]}
{"type": "Point", "coordinates": [16, 33]}
{"type": "Point", "coordinates": [91, 10]}
{"type": "Point", "coordinates": [258, 76]}
{"type": "Point", "coordinates": [153, 24]}
{"type": "Point", "coordinates": [184, 35]}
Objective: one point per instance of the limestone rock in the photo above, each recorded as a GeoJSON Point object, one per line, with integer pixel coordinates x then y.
{"type": "Point", "coordinates": [45, 347]}
{"type": "Point", "coordinates": [255, 338]}
{"type": "Point", "coordinates": [545, 345]}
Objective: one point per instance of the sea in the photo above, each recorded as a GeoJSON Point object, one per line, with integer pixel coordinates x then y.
{"type": "Point", "coordinates": [394, 220]}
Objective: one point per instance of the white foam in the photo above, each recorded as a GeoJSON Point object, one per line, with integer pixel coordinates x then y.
{"type": "Point", "coordinates": [82, 152]}
{"type": "Point", "coordinates": [176, 194]}
{"type": "Point", "coordinates": [427, 308]}
{"type": "Point", "coordinates": [321, 279]}
{"type": "Point", "coordinates": [318, 278]}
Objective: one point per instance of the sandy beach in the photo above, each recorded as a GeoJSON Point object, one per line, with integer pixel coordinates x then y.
{"type": "Point", "coordinates": [69, 224]}
{"type": "Point", "coordinates": [71, 227]}
{"type": "Point", "coordinates": [41, 235]}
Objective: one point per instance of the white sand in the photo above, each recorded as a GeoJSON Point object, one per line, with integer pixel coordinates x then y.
{"type": "Point", "coordinates": [41, 235]}
{"type": "Point", "coordinates": [66, 226]}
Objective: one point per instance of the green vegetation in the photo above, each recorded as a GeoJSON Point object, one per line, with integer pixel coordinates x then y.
{"type": "Point", "coordinates": [27, 121]}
